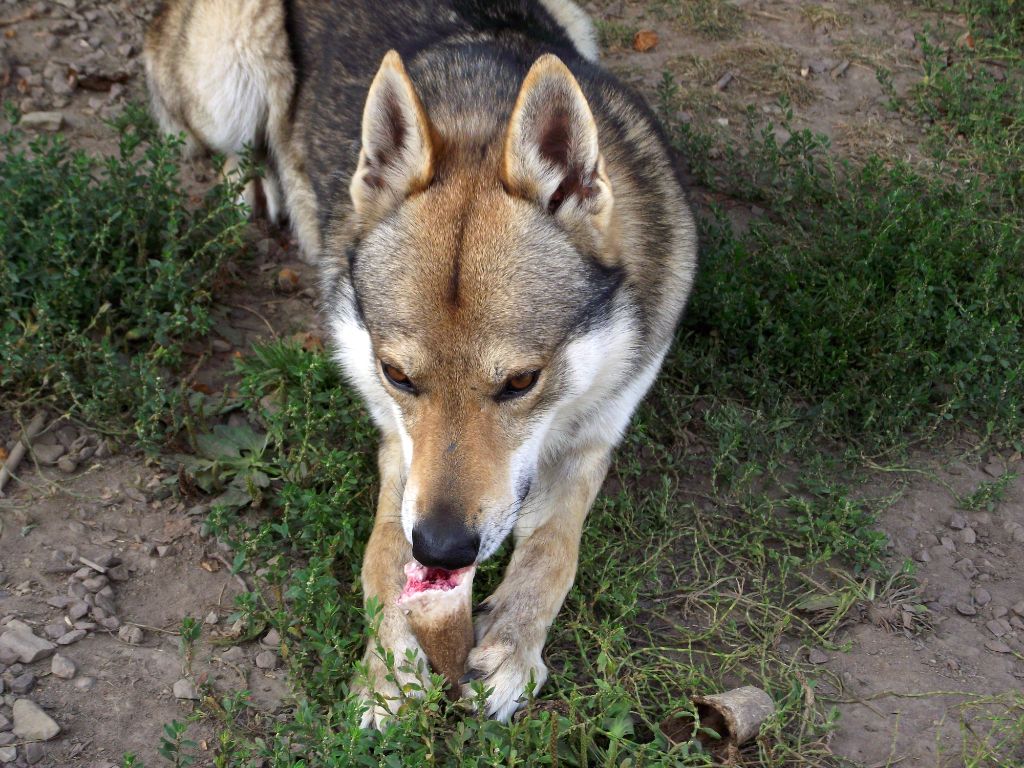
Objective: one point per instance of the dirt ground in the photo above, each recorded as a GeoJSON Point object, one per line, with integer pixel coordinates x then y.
{"type": "Point", "coordinates": [898, 689]}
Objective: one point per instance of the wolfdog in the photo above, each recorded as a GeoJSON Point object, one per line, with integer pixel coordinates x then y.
{"type": "Point", "coordinates": [505, 248]}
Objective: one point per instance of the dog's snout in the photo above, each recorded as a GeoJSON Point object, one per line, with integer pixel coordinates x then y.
{"type": "Point", "coordinates": [443, 540]}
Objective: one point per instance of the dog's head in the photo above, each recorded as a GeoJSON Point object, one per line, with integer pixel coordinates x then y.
{"type": "Point", "coordinates": [482, 265]}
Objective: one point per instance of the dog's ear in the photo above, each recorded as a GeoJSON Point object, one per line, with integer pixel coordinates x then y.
{"type": "Point", "coordinates": [551, 152]}
{"type": "Point", "coordinates": [397, 155]}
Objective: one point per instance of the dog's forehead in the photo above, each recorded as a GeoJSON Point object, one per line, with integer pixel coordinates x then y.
{"type": "Point", "coordinates": [479, 275]}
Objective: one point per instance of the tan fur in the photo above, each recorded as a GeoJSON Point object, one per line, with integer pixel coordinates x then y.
{"type": "Point", "coordinates": [527, 222]}
{"type": "Point", "coordinates": [219, 71]}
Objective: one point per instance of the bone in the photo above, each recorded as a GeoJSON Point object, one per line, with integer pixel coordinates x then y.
{"type": "Point", "coordinates": [734, 715]}
{"type": "Point", "coordinates": [443, 624]}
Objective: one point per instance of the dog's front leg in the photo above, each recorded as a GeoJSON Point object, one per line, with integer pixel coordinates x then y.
{"type": "Point", "coordinates": [514, 621]}
{"type": "Point", "coordinates": [386, 552]}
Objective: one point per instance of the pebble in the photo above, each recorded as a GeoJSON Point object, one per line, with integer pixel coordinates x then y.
{"type": "Point", "coordinates": [67, 465]}
{"type": "Point", "coordinates": [968, 535]}
{"type": "Point", "coordinates": [235, 654]}
{"type": "Point", "coordinates": [817, 656]}
{"type": "Point", "coordinates": [8, 754]}
{"type": "Point", "coordinates": [111, 623]}
{"type": "Point", "coordinates": [998, 627]}
{"type": "Point", "coordinates": [118, 573]}
{"type": "Point", "coordinates": [211, 618]}
{"type": "Point", "coordinates": [96, 583]}
{"type": "Point", "coordinates": [1019, 609]}
{"type": "Point", "coordinates": [63, 667]}
{"type": "Point", "coordinates": [33, 752]}
{"type": "Point", "coordinates": [78, 610]}
{"type": "Point", "coordinates": [268, 660]}
{"type": "Point", "coordinates": [48, 454]}
{"type": "Point", "coordinates": [997, 646]}
{"type": "Point", "coordinates": [981, 596]}
{"type": "Point", "coordinates": [957, 521]}
{"type": "Point", "coordinates": [32, 723]}
{"type": "Point", "coordinates": [185, 689]}
{"type": "Point", "coordinates": [966, 609]}
{"type": "Point", "coordinates": [23, 683]}
{"type": "Point", "coordinates": [72, 637]}
{"type": "Point", "coordinates": [922, 556]}
{"type": "Point", "coordinates": [55, 630]}
{"type": "Point", "coordinates": [85, 683]}
{"type": "Point", "coordinates": [130, 634]}
{"type": "Point", "coordinates": [5, 724]}
{"type": "Point", "coordinates": [219, 345]}
{"type": "Point", "coordinates": [60, 601]}
{"type": "Point", "coordinates": [947, 544]}
{"type": "Point", "coordinates": [24, 645]}
{"type": "Point", "coordinates": [271, 640]}
{"type": "Point", "coordinates": [965, 568]}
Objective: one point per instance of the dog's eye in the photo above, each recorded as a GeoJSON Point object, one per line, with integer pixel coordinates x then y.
{"type": "Point", "coordinates": [397, 377]}
{"type": "Point", "coordinates": [519, 384]}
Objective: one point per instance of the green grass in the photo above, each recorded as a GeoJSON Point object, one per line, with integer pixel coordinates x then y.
{"type": "Point", "coordinates": [107, 270]}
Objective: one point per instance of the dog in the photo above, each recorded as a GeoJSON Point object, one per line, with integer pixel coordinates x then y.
{"type": "Point", "coordinates": [506, 249]}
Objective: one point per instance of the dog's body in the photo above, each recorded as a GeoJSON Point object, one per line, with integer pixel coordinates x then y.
{"type": "Point", "coordinates": [506, 251]}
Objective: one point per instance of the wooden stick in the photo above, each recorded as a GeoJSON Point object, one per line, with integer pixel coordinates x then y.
{"type": "Point", "coordinates": [18, 451]}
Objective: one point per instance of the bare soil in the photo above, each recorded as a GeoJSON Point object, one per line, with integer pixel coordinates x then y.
{"type": "Point", "coordinates": [899, 682]}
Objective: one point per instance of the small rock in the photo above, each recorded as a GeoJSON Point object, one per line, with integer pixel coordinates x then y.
{"type": "Point", "coordinates": [60, 601]}
{"type": "Point", "coordinates": [55, 630]}
{"type": "Point", "coordinates": [118, 573]}
{"type": "Point", "coordinates": [88, 626]}
{"type": "Point", "coordinates": [48, 454]}
{"type": "Point", "coordinates": [234, 654]}
{"type": "Point", "coordinates": [111, 623]}
{"type": "Point", "coordinates": [287, 280]}
{"type": "Point", "coordinates": [78, 610]}
{"type": "Point", "coordinates": [219, 345]}
{"type": "Point", "coordinates": [1018, 608]}
{"type": "Point", "coordinates": [25, 645]}
{"type": "Point", "coordinates": [33, 752]}
{"type": "Point", "coordinates": [130, 634]}
{"type": "Point", "coordinates": [965, 568]}
{"type": "Point", "coordinates": [957, 522]}
{"type": "Point", "coordinates": [998, 627]}
{"type": "Point", "coordinates": [96, 583]}
{"type": "Point", "coordinates": [1016, 623]}
{"type": "Point", "coordinates": [185, 689]}
{"type": "Point", "coordinates": [8, 754]}
{"type": "Point", "coordinates": [5, 724]}
{"type": "Point", "coordinates": [945, 541]}
{"type": "Point", "coordinates": [922, 556]}
{"type": "Point", "coordinates": [268, 660]}
{"type": "Point", "coordinates": [23, 683]}
{"type": "Point", "coordinates": [67, 465]}
{"type": "Point", "coordinates": [32, 723]}
{"type": "Point", "coordinates": [72, 637]}
{"type": "Point", "coordinates": [968, 535]}
{"type": "Point", "coordinates": [211, 618]}
{"type": "Point", "coordinates": [85, 683]}
{"type": "Point", "coordinates": [163, 550]}
{"type": "Point", "coordinates": [271, 640]}
{"type": "Point", "coordinates": [966, 609]}
{"type": "Point", "coordinates": [63, 667]}
{"type": "Point", "coordinates": [981, 596]}
{"type": "Point", "coordinates": [997, 646]}
{"type": "Point", "coordinates": [998, 611]}
{"type": "Point", "coordinates": [817, 656]}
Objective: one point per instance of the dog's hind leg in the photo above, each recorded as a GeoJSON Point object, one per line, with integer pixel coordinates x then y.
{"type": "Point", "coordinates": [514, 621]}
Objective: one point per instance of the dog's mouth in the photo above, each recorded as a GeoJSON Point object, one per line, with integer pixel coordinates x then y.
{"type": "Point", "coordinates": [420, 578]}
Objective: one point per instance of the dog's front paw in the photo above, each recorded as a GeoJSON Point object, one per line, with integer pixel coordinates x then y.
{"type": "Point", "coordinates": [392, 675]}
{"type": "Point", "coordinates": [506, 667]}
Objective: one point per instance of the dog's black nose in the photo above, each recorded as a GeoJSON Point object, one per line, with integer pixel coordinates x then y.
{"type": "Point", "coordinates": [442, 540]}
